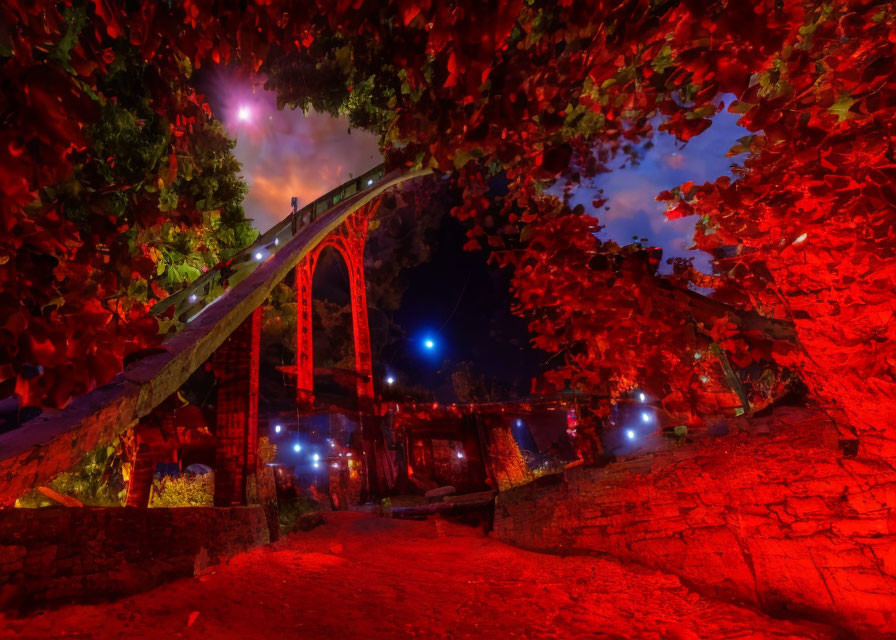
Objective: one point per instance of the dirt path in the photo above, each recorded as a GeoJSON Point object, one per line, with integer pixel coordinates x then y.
{"type": "Point", "coordinates": [365, 577]}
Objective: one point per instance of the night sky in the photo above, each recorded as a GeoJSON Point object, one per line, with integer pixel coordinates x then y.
{"type": "Point", "coordinates": [455, 298]}
{"type": "Point", "coordinates": [631, 190]}
{"type": "Point", "coordinates": [463, 305]}
{"type": "Point", "coordinates": [284, 153]}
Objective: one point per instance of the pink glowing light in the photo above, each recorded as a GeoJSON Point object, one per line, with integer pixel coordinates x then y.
{"type": "Point", "coordinates": [244, 114]}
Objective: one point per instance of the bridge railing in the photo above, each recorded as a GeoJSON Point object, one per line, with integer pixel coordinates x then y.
{"type": "Point", "coordinates": [193, 299]}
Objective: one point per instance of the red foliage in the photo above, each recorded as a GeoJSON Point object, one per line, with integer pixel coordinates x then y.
{"type": "Point", "coordinates": [67, 321]}
{"type": "Point", "coordinates": [812, 208]}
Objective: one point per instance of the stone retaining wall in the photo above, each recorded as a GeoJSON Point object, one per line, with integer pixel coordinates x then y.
{"type": "Point", "coordinates": [60, 555]}
{"type": "Point", "coordinates": [778, 520]}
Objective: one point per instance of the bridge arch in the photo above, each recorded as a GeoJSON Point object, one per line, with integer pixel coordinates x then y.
{"type": "Point", "coordinates": [348, 241]}
{"type": "Point", "coordinates": [330, 284]}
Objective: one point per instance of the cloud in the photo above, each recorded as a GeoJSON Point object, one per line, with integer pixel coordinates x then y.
{"type": "Point", "coordinates": [303, 156]}
{"type": "Point", "coordinates": [286, 153]}
{"type": "Point", "coordinates": [674, 160]}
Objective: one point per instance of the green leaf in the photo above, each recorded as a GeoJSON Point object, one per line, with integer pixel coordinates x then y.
{"type": "Point", "coordinates": [747, 144]}
{"type": "Point", "coordinates": [841, 107]}
{"type": "Point", "coordinates": [738, 106]}
{"type": "Point", "coordinates": [344, 58]}
{"type": "Point", "coordinates": [75, 19]}
{"type": "Point", "coordinates": [663, 60]}
{"type": "Point", "coordinates": [706, 111]}
{"type": "Point", "coordinates": [463, 156]}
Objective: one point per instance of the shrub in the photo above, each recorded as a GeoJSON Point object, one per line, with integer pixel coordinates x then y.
{"type": "Point", "coordinates": [187, 490]}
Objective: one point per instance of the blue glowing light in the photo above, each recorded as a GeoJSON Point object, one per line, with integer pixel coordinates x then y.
{"type": "Point", "coordinates": [645, 417]}
{"type": "Point", "coordinates": [630, 434]}
{"type": "Point", "coordinates": [519, 422]}
{"type": "Point", "coordinates": [316, 457]}
{"type": "Point", "coordinates": [428, 344]}
{"type": "Point", "coordinates": [642, 397]}
{"type": "Point", "coordinates": [277, 428]}
{"type": "Point", "coordinates": [296, 447]}
{"type": "Point", "coordinates": [390, 380]}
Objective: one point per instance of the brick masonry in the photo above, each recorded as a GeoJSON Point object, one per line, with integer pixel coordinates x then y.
{"type": "Point", "coordinates": [236, 365]}
{"type": "Point", "coordinates": [775, 516]}
{"type": "Point", "coordinates": [61, 555]}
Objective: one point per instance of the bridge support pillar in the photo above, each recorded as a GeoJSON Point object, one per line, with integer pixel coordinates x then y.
{"type": "Point", "coordinates": [361, 330]}
{"type": "Point", "coordinates": [304, 344]}
{"type": "Point", "coordinates": [236, 366]}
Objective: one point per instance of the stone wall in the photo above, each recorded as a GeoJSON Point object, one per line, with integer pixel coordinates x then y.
{"type": "Point", "coordinates": [777, 517]}
{"type": "Point", "coordinates": [59, 555]}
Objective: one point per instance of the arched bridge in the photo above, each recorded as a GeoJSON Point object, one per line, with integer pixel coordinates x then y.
{"type": "Point", "coordinates": [221, 319]}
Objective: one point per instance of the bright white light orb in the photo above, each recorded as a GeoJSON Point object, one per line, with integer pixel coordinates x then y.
{"type": "Point", "coordinates": [296, 447]}
{"type": "Point", "coordinates": [519, 422]}
{"type": "Point", "coordinates": [429, 343]}
{"type": "Point", "coordinates": [317, 465]}
{"type": "Point", "coordinates": [244, 114]}
{"type": "Point", "coordinates": [277, 428]}
{"type": "Point", "coordinates": [645, 417]}
{"type": "Point", "coordinates": [258, 256]}
{"type": "Point", "coordinates": [349, 454]}
{"type": "Point", "coordinates": [370, 182]}
{"type": "Point", "coordinates": [316, 457]}
{"type": "Point", "coordinates": [630, 434]}
{"type": "Point", "coordinates": [460, 454]}
{"type": "Point", "coordinates": [642, 397]}
{"type": "Point", "coordinates": [193, 297]}
{"type": "Point", "coordinates": [390, 380]}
